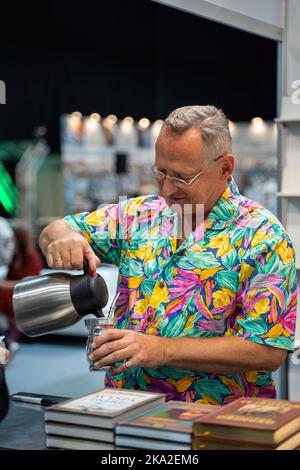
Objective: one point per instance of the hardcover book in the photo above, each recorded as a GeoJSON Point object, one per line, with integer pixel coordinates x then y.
{"type": "Point", "coordinates": [81, 432]}
{"type": "Point", "coordinates": [254, 420]}
{"type": "Point", "coordinates": [104, 408]}
{"type": "Point", "coordinates": [171, 421]}
{"type": "Point", "coordinates": [133, 442]}
{"type": "Point", "coordinates": [60, 442]}
{"type": "Point", "coordinates": [199, 443]}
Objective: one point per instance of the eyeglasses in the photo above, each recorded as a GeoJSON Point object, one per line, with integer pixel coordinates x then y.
{"type": "Point", "coordinates": [179, 182]}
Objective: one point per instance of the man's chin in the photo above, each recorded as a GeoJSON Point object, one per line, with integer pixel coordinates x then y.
{"type": "Point", "coordinates": [176, 201]}
{"type": "Point", "coordinates": [185, 206]}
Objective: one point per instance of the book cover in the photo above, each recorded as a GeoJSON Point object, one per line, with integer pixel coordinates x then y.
{"type": "Point", "coordinates": [253, 419]}
{"type": "Point", "coordinates": [103, 408]}
{"type": "Point", "coordinates": [171, 421]}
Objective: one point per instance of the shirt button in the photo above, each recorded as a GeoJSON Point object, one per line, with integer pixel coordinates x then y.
{"type": "Point", "coordinates": [161, 284]}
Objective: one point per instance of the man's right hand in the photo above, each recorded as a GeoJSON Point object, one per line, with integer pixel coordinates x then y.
{"type": "Point", "coordinates": [66, 249]}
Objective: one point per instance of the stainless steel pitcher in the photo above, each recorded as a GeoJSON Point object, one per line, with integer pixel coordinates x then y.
{"type": "Point", "coordinates": [43, 304]}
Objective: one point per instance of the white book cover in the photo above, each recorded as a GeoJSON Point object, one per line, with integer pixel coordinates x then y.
{"type": "Point", "coordinates": [108, 401]}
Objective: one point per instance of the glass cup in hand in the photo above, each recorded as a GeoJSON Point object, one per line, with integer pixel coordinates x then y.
{"type": "Point", "coordinates": [96, 327]}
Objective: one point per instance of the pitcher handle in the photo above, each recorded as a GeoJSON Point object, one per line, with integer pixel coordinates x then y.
{"type": "Point", "coordinates": [85, 267]}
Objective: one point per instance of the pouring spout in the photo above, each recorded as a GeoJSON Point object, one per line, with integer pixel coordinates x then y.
{"type": "Point", "coordinates": [113, 305]}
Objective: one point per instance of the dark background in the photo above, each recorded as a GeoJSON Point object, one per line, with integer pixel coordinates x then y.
{"type": "Point", "coordinates": [126, 57]}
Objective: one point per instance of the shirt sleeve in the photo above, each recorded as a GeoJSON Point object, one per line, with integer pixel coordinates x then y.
{"type": "Point", "coordinates": [267, 294]}
{"type": "Point", "coordinates": [102, 229]}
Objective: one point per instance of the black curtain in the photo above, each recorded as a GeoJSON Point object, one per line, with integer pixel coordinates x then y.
{"type": "Point", "coordinates": [127, 57]}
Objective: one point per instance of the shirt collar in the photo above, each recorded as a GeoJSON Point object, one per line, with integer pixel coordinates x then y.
{"type": "Point", "coordinates": [225, 209]}
{"type": "Point", "coordinates": [220, 217]}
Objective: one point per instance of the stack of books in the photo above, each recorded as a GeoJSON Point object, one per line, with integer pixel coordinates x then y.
{"type": "Point", "coordinates": [88, 422]}
{"type": "Point", "coordinates": [166, 427]}
{"type": "Point", "coordinates": [250, 423]}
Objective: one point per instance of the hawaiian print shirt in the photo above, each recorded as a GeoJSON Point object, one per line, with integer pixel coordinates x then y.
{"type": "Point", "coordinates": [237, 277]}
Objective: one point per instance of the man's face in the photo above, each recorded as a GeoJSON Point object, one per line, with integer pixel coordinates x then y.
{"type": "Point", "coordinates": [183, 156]}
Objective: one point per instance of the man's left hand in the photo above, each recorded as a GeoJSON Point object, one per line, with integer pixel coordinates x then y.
{"type": "Point", "coordinates": [135, 349]}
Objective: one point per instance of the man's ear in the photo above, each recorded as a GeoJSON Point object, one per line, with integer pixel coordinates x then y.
{"type": "Point", "coordinates": [228, 165]}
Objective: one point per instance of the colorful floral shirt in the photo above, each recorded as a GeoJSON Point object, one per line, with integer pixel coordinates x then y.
{"type": "Point", "coordinates": [237, 277]}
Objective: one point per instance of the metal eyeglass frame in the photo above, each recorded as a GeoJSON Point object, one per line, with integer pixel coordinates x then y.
{"type": "Point", "coordinates": [160, 176]}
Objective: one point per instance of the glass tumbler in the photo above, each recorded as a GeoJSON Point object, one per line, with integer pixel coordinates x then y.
{"type": "Point", "coordinates": [96, 327]}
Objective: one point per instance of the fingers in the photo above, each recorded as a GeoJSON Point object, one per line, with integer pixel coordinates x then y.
{"type": "Point", "coordinates": [115, 346]}
{"type": "Point", "coordinates": [50, 261]}
{"type": "Point", "coordinates": [134, 349]}
{"type": "Point", "coordinates": [92, 260]}
{"type": "Point", "coordinates": [62, 257]}
{"type": "Point", "coordinates": [109, 335]}
{"type": "Point", "coordinates": [113, 358]}
{"type": "Point", "coordinates": [76, 257]}
{"type": "Point", "coordinates": [69, 253]}
{"type": "Point", "coordinates": [108, 350]}
{"type": "Point", "coordinates": [127, 365]}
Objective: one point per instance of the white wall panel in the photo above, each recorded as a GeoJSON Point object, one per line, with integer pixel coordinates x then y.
{"type": "Point", "coordinates": [259, 17]}
{"type": "Point", "coordinates": [263, 10]}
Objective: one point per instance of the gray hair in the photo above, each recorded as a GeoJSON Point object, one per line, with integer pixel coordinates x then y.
{"type": "Point", "coordinates": [212, 123]}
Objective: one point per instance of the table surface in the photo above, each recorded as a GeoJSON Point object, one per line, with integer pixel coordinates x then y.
{"type": "Point", "coordinates": [23, 428]}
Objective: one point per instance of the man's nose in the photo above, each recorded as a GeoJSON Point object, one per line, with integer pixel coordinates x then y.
{"type": "Point", "coordinates": [168, 187]}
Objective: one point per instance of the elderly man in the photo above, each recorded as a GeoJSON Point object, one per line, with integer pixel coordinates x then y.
{"type": "Point", "coordinates": [207, 307]}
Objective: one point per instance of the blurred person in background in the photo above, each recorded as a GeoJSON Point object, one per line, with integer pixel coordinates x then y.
{"type": "Point", "coordinates": [4, 356]}
{"type": "Point", "coordinates": [26, 261]}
